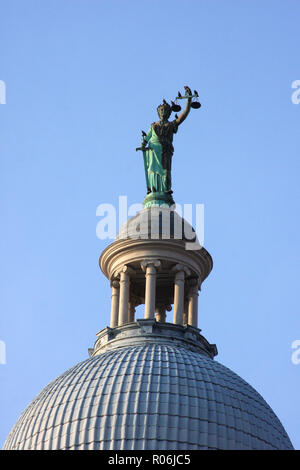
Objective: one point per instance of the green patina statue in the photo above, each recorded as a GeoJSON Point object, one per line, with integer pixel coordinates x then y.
{"type": "Point", "coordinates": [158, 154]}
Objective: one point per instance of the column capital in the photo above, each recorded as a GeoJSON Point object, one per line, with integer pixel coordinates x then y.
{"type": "Point", "coordinates": [163, 306]}
{"type": "Point", "coordinates": [150, 262]}
{"type": "Point", "coordinates": [123, 269]}
{"type": "Point", "coordinates": [181, 268]}
{"type": "Point", "coordinates": [193, 284]}
{"type": "Point", "coordinates": [115, 283]}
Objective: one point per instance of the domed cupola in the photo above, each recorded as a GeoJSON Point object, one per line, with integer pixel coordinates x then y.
{"type": "Point", "coordinates": [151, 381]}
{"type": "Point", "coordinates": [150, 384]}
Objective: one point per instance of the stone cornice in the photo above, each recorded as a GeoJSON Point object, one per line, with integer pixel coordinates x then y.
{"type": "Point", "coordinates": [130, 251]}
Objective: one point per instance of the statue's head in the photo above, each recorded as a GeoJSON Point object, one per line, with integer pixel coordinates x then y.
{"type": "Point", "coordinates": [164, 111]}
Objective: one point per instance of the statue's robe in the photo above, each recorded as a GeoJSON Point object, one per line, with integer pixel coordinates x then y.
{"type": "Point", "coordinates": [158, 159]}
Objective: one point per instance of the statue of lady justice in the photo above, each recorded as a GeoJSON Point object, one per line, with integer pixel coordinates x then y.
{"type": "Point", "coordinates": [158, 154]}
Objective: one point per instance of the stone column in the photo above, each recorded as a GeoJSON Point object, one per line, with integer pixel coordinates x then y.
{"type": "Point", "coordinates": [180, 272]}
{"type": "Point", "coordinates": [193, 303]}
{"type": "Point", "coordinates": [150, 267]}
{"type": "Point", "coordinates": [161, 314]}
{"type": "Point", "coordinates": [131, 310]}
{"type": "Point", "coordinates": [124, 294]}
{"type": "Point", "coordinates": [114, 312]}
{"type": "Point", "coordinates": [185, 311]}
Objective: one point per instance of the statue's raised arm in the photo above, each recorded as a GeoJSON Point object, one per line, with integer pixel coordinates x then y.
{"type": "Point", "coordinates": [185, 113]}
{"type": "Point", "coordinates": [157, 148]}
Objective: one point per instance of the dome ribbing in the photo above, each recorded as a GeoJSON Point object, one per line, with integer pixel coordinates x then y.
{"type": "Point", "coordinates": [154, 396]}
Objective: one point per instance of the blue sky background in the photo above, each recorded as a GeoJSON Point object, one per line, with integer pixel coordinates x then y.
{"type": "Point", "coordinates": [83, 78]}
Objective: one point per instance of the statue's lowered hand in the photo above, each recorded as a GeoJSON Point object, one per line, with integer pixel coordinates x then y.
{"type": "Point", "coordinates": [142, 148]}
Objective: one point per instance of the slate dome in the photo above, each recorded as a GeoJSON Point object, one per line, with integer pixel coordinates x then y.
{"type": "Point", "coordinates": [148, 396]}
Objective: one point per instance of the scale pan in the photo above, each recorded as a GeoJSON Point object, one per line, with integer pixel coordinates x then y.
{"type": "Point", "coordinates": [176, 108]}
{"type": "Point", "coordinates": [195, 105]}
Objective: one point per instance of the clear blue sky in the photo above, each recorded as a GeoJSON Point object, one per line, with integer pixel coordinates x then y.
{"type": "Point", "coordinates": [83, 78]}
